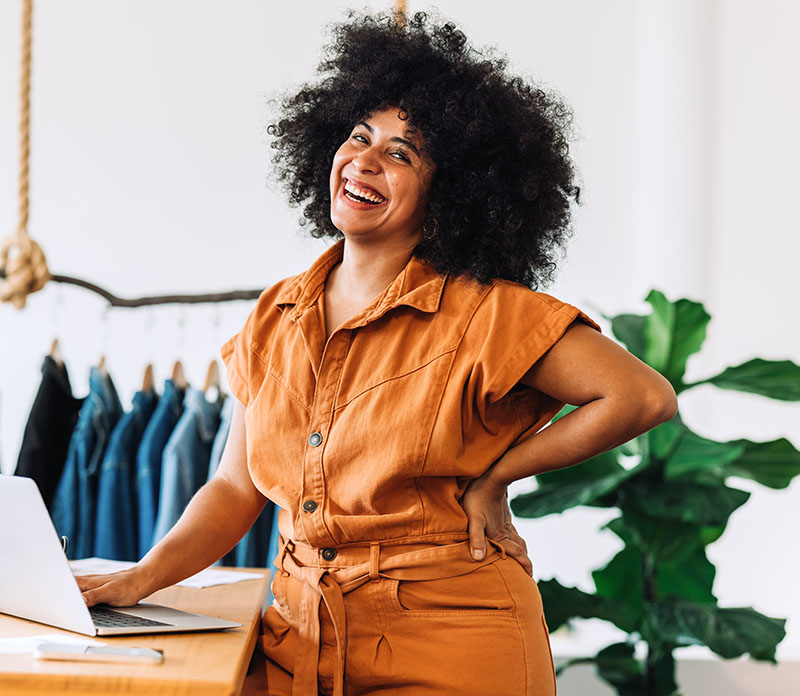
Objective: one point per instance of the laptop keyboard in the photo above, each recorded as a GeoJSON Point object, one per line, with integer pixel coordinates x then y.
{"type": "Point", "coordinates": [108, 618]}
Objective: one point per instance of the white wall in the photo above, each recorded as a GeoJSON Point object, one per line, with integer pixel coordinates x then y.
{"type": "Point", "coordinates": [149, 174]}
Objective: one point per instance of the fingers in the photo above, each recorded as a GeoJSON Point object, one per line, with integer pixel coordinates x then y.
{"type": "Point", "coordinates": [519, 554]}
{"type": "Point", "coordinates": [113, 589]}
{"type": "Point", "coordinates": [92, 597]}
{"type": "Point", "coordinates": [477, 537]}
{"type": "Point", "coordinates": [516, 547]}
{"type": "Point", "coordinates": [86, 582]}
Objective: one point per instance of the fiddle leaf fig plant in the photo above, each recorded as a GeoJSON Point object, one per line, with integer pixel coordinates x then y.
{"type": "Point", "coordinates": [673, 492]}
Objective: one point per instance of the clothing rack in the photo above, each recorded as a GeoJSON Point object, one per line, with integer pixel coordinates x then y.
{"type": "Point", "coordinates": [115, 301]}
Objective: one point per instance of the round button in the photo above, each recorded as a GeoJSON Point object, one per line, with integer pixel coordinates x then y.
{"type": "Point", "coordinates": [329, 554]}
{"type": "Point", "coordinates": [315, 439]}
{"type": "Point", "coordinates": [310, 505]}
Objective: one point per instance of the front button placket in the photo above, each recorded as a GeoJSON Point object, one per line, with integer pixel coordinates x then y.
{"type": "Point", "coordinates": [329, 374]}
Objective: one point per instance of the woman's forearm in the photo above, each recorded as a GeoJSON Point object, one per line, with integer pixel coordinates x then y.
{"type": "Point", "coordinates": [593, 428]}
{"type": "Point", "coordinates": [212, 523]}
{"type": "Point", "coordinates": [620, 396]}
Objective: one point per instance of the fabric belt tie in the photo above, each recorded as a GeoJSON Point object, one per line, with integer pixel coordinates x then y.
{"type": "Point", "coordinates": [388, 560]}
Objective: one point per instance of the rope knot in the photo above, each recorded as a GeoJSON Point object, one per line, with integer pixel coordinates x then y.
{"type": "Point", "coordinates": [25, 269]}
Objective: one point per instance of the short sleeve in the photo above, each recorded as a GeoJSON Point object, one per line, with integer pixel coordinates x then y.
{"type": "Point", "coordinates": [512, 329]}
{"type": "Point", "coordinates": [235, 353]}
{"type": "Point", "coordinates": [243, 354]}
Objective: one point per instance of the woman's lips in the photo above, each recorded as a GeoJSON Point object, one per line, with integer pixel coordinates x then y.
{"type": "Point", "coordinates": [358, 205]}
{"type": "Point", "coordinates": [359, 188]}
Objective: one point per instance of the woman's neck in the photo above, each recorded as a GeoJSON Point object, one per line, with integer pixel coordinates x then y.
{"type": "Point", "coordinates": [363, 274]}
{"type": "Point", "coordinates": [366, 271]}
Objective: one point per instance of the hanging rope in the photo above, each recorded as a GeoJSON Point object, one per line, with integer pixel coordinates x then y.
{"type": "Point", "coordinates": [23, 268]}
{"type": "Point", "coordinates": [400, 10]}
{"type": "Point", "coordinates": [22, 263]}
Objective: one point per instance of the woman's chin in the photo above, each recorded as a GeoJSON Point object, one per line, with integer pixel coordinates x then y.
{"type": "Point", "coordinates": [351, 229]}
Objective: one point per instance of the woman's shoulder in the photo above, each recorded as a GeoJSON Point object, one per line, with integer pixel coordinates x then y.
{"type": "Point", "coordinates": [505, 297]}
{"type": "Point", "coordinates": [269, 307]}
{"type": "Point", "coordinates": [276, 296]}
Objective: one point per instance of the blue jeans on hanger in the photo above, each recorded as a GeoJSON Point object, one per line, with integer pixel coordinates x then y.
{"type": "Point", "coordinates": [148, 461]}
{"type": "Point", "coordinates": [116, 528]}
{"type": "Point", "coordinates": [75, 499]}
{"type": "Point", "coordinates": [186, 458]}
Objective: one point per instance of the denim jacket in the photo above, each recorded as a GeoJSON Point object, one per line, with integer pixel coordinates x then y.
{"type": "Point", "coordinates": [116, 529]}
{"type": "Point", "coordinates": [148, 460]}
{"type": "Point", "coordinates": [184, 467]}
{"type": "Point", "coordinates": [73, 509]}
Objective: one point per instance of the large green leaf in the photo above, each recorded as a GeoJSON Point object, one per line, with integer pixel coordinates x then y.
{"type": "Point", "coordinates": [689, 578]}
{"type": "Point", "coordinates": [698, 455]}
{"type": "Point", "coordinates": [663, 438]}
{"type": "Point", "coordinates": [685, 501]}
{"type": "Point", "coordinates": [777, 379]}
{"type": "Point", "coordinates": [673, 331]}
{"type": "Point", "coordinates": [551, 499]}
{"type": "Point", "coordinates": [564, 603]}
{"type": "Point", "coordinates": [591, 470]}
{"type": "Point", "coordinates": [663, 540]}
{"type": "Point", "coordinates": [629, 328]}
{"type": "Point", "coordinates": [729, 632]}
{"type": "Point", "coordinates": [616, 665]}
{"type": "Point", "coordinates": [772, 464]}
{"type": "Point", "coordinates": [658, 327]}
{"type": "Point", "coordinates": [621, 579]}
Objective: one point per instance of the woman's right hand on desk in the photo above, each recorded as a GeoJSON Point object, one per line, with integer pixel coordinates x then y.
{"type": "Point", "coordinates": [121, 589]}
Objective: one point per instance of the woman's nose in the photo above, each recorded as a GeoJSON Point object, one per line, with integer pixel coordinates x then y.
{"type": "Point", "coordinates": [366, 161]}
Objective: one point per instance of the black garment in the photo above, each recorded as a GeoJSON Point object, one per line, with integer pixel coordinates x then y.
{"type": "Point", "coordinates": [49, 428]}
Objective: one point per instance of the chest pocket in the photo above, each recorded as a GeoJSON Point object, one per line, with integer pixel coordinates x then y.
{"type": "Point", "coordinates": [387, 399]}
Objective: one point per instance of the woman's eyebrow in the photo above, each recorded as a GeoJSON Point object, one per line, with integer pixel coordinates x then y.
{"type": "Point", "coordinates": [405, 142]}
{"type": "Point", "coordinates": [408, 143]}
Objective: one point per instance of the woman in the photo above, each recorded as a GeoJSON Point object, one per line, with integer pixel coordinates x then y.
{"type": "Point", "coordinates": [389, 394]}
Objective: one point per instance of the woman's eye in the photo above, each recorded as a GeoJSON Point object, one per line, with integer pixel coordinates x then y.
{"type": "Point", "coordinates": [359, 137]}
{"type": "Point", "coordinates": [401, 156]}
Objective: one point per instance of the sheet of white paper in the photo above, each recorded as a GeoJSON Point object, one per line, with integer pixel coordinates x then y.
{"type": "Point", "coordinates": [96, 566]}
{"type": "Point", "coordinates": [205, 578]}
{"type": "Point", "coordinates": [217, 576]}
{"type": "Point", "coordinates": [20, 646]}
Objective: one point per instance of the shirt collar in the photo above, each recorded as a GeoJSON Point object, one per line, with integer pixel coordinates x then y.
{"type": "Point", "coordinates": [418, 285]}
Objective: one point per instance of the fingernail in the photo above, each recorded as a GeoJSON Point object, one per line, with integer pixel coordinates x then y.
{"type": "Point", "coordinates": [477, 554]}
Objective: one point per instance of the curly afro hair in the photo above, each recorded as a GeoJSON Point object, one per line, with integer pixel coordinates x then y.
{"type": "Point", "coordinates": [500, 198]}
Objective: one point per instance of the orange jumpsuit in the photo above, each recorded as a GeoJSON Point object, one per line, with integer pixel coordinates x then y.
{"type": "Point", "coordinates": [367, 441]}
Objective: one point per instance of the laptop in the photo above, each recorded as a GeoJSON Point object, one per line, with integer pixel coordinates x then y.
{"type": "Point", "coordinates": [36, 582]}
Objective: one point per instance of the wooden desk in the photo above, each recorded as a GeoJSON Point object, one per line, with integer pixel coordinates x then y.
{"type": "Point", "coordinates": [194, 663]}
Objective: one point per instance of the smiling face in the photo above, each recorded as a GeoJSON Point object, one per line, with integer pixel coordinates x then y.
{"type": "Point", "coordinates": [380, 180]}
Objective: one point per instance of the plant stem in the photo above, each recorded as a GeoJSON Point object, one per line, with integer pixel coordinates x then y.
{"type": "Point", "coordinates": [649, 596]}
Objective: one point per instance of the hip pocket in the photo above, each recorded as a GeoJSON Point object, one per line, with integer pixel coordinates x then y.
{"type": "Point", "coordinates": [286, 596]}
{"type": "Point", "coordinates": [480, 594]}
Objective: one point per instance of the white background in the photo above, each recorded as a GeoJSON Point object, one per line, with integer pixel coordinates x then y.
{"type": "Point", "coordinates": [149, 174]}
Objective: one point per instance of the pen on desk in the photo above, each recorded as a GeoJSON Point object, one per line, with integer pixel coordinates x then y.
{"type": "Point", "coordinates": [64, 544]}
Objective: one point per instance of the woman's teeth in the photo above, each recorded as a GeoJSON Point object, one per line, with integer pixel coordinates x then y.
{"type": "Point", "coordinates": [360, 195]}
